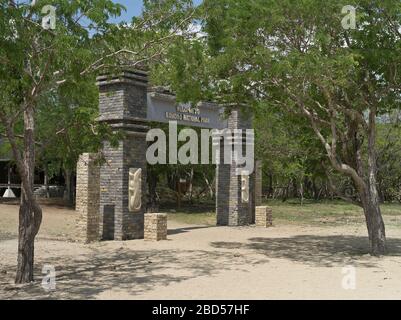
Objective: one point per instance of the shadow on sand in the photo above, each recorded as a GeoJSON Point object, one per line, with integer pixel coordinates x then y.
{"type": "Point", "coordinates": [131, 272]}
{"type": "Point", "coordinates": [126, 271]}
{"type": "Point", "coordinates": [186, 229]}
{"type": "Point", "coordinates": [327, 251]}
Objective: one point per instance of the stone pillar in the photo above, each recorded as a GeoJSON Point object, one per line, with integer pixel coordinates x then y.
{"type": "Point", "coordinates": [233, 207]}
{"type": "Point", "coordinates": [87, 201]}
{"type": "Point", "coordinates": [123, 106]}
{"type": "Point", "coordinates": [155, 226]}
{"type": "Point", "coordinates": [264, 217]}
{"type": "Point", "coordinates": [258, 183]}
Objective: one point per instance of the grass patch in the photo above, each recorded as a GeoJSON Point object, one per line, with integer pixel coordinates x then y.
{"type": "Point", "coordinates": [311, 213]}
{"type": "Point", "coordinates": [206, 218]}
{"type": "Point", "coordinates": [324, 213]}
{"type": "Point", "coordinates": [203, 214]}
{"type": "Point", "coordinates": [328, 213]}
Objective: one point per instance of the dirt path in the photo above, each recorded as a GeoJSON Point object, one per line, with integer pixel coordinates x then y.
{"type": "Point", "coordinates": [197, 262]}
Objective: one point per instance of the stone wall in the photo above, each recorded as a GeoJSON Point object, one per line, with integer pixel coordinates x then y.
{"type": "Point", "coordinates": [231, 210]}
{"type": "Point", "coordinates": [119, 223]}
{"type": "Point", "coordinates": [123, 96]}
{"type": "Point", "coordinates": [258, 183]}
{"type": "Point", "coordinates": [155, 226]}
{"type": "Point", "coordinates": [123, 106]}
{"type": "Point", "coordinates": [263, 216]}
{"type": "Point", "coordinates": [87, 199]}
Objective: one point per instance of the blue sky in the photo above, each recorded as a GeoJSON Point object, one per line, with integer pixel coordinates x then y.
{"type": "Point", "coordinates": [134, 8]}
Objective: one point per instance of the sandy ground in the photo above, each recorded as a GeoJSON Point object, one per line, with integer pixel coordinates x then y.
{"type": "Point", "coordinates": [200, 262]}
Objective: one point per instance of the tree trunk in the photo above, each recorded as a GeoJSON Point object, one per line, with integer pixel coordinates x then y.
{"type": "Point", "coordinates": [286, 192]}
{"type": "Point", "coordinates": [374, 219]}
{"type": "Point", "coordinates": [369, 194]}
{"type": "Point", "coordinates": [191, 187]}
{"type": "Point", "coordinates": [30, 214]}
{"type": "Point", "coordinates": [25, 244]}
{"type": "Point", "coordinates": [294, 188]}
{"type": "Point", "coordinates": [375, 226]}
{"type": "Point", "coordinates": [68, 195]}
{"type": "Point", "coordinates": [301, 192]}
{"type": "Point", "coordinates": [209, 186]}
{"type": "Point", "coordinates": [315, 190]}
{"type": "Point", "coordinates": [152, 186]}
{"type": "Point", "coordinates": [270, 186]}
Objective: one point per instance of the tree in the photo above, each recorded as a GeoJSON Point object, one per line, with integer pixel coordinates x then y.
{"type": "Point", "coordinates": [292, 161]}
{"type": "Point", "coordinates": [53, 49]}
{"type": "Point", "coordinates": [72, 131]}
{"type": "Point", "coordinates": [296, 55]}
{"type": "Point", "coordinates": [389, 153]}
{"type": "Point", "coordinates": [34, 60]}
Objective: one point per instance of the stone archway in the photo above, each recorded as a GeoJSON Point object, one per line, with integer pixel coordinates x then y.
{"type": "Point", "coordinates": [126, 103]}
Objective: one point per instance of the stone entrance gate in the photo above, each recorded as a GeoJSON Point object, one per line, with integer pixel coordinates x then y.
{"type": "Point", "coordinates": [111, 199]}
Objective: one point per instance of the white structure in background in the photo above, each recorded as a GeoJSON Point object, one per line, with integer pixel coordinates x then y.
{"type": "Point", "coordinates": [9, 192]}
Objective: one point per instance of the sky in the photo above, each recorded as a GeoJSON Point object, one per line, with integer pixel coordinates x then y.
{"type": "Point", "coordinates": [134, 8]}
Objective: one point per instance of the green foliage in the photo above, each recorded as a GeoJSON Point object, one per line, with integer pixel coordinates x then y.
{"type": "Point", "coordinates": [50, 70]}
{"type": "Point", "coordinates": [286, 58]}
{"type": "Point", "coordinates": [55, 70]}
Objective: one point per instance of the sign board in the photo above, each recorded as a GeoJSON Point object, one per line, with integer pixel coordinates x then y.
{"type": "Point", "coordinates": [162, 107]}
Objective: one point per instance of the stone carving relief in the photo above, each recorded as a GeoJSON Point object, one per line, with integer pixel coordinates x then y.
{"type": "Point", "coordinates": [135, 190]}
{"type": "Point", "coordinates": [245, 188]}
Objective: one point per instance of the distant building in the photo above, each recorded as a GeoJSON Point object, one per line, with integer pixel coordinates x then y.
{"type": "Point", "coordinates": [9, 177]}
{"type": "Point", "coordinates": [7, 170]}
